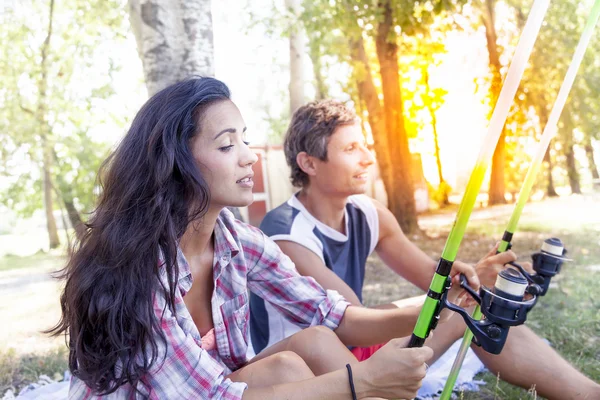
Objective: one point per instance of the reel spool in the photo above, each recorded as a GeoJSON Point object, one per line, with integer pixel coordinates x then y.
{"type": "Point", "coordinates": [546, 263]}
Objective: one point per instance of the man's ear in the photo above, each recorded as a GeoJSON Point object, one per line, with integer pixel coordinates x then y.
{"type": "Point", "coordinates": [306, 163]}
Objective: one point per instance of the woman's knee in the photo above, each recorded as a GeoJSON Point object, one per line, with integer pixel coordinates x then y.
{"type": "Point", "coordinates": [288, 366]}
{"type": "Point", "coordinates": [282, 367]}
{"type": "Point", "coordinates": [314, 339]}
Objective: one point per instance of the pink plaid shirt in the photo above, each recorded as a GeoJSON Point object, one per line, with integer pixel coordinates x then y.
{"type": "Point", "coordinates": [244, 259]}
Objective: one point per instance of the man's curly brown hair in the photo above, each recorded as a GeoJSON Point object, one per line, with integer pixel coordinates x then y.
{"type": "Point", "coordinates": [309, 131]}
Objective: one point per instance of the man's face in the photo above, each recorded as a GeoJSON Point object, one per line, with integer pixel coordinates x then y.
{"type": "Point", "coordinates": [346, 170]}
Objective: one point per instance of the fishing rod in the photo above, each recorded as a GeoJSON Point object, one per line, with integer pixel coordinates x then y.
{"type": "Point", "coordinates": [430, 312]}
{"type": "Point", "coordinates": [545, 268]}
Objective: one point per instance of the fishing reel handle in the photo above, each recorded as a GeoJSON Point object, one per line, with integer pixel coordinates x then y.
{"type": "Point", "coordinates": [500, 314]}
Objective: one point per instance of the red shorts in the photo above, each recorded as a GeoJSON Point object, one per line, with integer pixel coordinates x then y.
{"type": "Point", "coordinates": [362, 353]}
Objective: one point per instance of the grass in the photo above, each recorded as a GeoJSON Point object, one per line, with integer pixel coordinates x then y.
{"type": "Point", "coordinates": [17, 370]}
{"type": "Point", "coordinates": [567, 316]}
{"type": "Point", "coordinates": [38, 261]}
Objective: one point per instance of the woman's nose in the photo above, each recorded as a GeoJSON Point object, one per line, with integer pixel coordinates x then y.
{"type": "Point", "coordinates": [248, 156]}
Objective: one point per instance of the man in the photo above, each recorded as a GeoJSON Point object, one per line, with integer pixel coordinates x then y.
{"type": "Point", "coordinates": [330, 227]}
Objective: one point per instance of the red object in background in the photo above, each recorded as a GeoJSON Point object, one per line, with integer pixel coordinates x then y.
{"type": "Point", "coordinates": [256, 212]}
{"type": "Point", "coordinates": [260, 205]}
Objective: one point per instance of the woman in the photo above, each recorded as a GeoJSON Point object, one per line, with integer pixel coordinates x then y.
{"type": "Point", "coordinates": [156, 300]}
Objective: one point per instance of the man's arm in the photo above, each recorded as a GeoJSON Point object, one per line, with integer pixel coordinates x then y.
{"type": "Point", "coordinates": [406, 259]}
{"type": "Point", "coordinates": [399, 253]}
{"type": "Point", "coordinates": [309, 264]}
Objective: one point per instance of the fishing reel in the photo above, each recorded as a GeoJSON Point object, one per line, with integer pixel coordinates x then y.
{"type": "Point", "coordinates": [546, 264]}
{"type": "Point", "coordinates": [514, 294]}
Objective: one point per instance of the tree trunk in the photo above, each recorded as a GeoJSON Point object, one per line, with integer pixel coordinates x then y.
{"type": "Point", "coordinates": [53, 239]}
{"type": "Point", "coordinates": [568, 145]}
{"type": "Point", "coordinates": [572, 170]}
{"type": "Point", "coordinates": [368, 94]}
{"type": "Point", "coordinates": [174, 39]}
{"type": "Point", "coordinates": [550, 190]}
{"type": "Point", "coordinates": [315, 58]}
{"type": "Point", "coordinates": [497, 185]}
{"type": "Point", "coordinates": [296, 86]}
{"type": "Point", "coordinates": [589, 152]}
{"type": "Point", "coordinates": [74, 218]}
{"type": "Point", "coordinates": [543, 114]}
{"type": "Point", "coordinates": [45, 131]}
{"type": "Point", "coordinates": [436, 143]}
{"type": "Point", "coordinates": [403, 191]}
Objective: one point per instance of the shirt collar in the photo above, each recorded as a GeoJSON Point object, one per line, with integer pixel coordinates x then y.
{"type": "Point", "coordinates": [226, 246]}
{"type": "Point", "coordinates": [185, 275]}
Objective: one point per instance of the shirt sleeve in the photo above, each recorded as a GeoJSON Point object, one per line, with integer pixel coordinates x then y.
{"type": "Point", "coordinates": [299, 298]}
{"type": "Point", "coordinates": [188, 371]}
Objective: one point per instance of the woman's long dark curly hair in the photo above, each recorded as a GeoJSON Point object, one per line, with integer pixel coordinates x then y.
{"type": "Point", "coordinates": [151, 191]}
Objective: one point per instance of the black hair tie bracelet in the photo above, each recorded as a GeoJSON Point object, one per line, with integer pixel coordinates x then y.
{"type": "Point", "coordinates": [349, 368]}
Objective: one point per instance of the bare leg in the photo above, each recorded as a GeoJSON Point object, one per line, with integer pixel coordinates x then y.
{"type": "Point", "coordinates": [283, 367]}
{"type": "Point", "coordinates": [525, 361]}
{"type": "Point", "coordinates": [319, 347]}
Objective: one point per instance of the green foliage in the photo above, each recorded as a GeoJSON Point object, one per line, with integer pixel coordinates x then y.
{"type": "Point", "coordinates": [552, 55]}
{"type": "Point", "coordinates": [440, 193]}
{"type": "Point", "coordinates": [78, 77]}
{"type": "Point", "coordinates": [16, 371]}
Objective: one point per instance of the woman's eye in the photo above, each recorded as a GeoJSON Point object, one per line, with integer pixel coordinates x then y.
{"type": "Point", "coordinates": [225, 149]}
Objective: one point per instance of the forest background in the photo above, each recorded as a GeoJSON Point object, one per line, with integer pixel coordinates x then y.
{"type": "Point", "coordinates": [422, 75]}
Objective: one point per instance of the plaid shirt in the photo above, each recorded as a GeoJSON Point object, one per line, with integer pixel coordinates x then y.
{"type": "Point", "coordinates": [244, 259]}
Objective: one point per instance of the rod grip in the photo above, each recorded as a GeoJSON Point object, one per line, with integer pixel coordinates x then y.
{"type": "Point", "coordinates": [416, 341]}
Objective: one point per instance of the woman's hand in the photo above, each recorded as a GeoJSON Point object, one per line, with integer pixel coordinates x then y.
{"type": "Point", "coordinates": [392, 372]}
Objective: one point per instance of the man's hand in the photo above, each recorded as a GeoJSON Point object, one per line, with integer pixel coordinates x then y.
{"type": "Point", "coordinates": [456, 294]}
{"type": "Point", "coordinates": [492, 263]}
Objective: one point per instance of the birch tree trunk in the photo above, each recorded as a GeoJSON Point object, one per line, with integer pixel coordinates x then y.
{"type": "Point", "coordinates": [45, 133]}
{"type": "Point", "coordinates": [315, 57]}
{"type": "Point", "coordinates": [174, 39]}
{"type": "Point", "coordinates": [297, 39]}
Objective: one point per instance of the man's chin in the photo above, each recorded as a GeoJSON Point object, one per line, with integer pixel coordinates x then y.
{"type": "Point", "coordinates": [359, 189]}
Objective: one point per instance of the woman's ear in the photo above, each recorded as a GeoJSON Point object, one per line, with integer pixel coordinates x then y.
{"type": "Point", "coordinates": [306, 163]}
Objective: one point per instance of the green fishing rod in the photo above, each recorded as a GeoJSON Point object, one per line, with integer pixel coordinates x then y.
{"type": "Point", "coordinates": [429, 314]}
{"type": "Point", "coordinates": [534, 167]}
